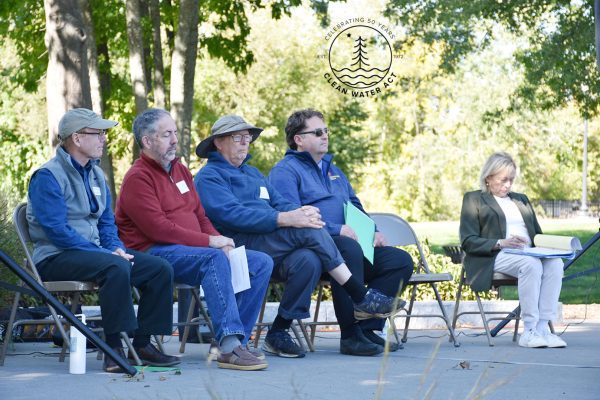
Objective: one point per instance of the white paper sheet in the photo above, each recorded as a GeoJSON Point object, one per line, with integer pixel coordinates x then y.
{"type": "Point", "coordinates": [240, 277]}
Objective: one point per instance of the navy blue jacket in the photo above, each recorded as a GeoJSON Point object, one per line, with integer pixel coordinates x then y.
{"type": "Point", "coordinates": [300, 180]}
{"type": "Point", "coordinates": [238, 199]}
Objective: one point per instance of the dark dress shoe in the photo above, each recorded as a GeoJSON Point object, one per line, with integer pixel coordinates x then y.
{"type": "Point", "coordinates": [150, 355]}
{"type": "Point", "coordinates": [375, 338]}
{"type": "Point", "coordinates": [359, 345]}
{"type": "Point", "coordinates": [109, 365]}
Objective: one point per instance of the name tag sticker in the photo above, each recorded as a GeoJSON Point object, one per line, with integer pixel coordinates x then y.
{"type": "Point", "coordinates": [264, 193]}
{"type": "Point", "coordinates": [183, 187]}
{"type": "Point", "coordinates": [96, 190]}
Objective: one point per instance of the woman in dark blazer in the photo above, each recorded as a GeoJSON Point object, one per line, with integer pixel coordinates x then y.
{"type": "Point", "coordinates": [494, 218]}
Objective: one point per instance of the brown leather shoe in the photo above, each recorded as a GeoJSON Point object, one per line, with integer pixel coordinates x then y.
{"type": "Point", "coordinates": [214, 352]}
{"type": "Point", "coordinates": [109, 365]}
{"type": "Point", "coordinates": [150, 355]}
{"type": "Point", "coordinates": [241, 359]}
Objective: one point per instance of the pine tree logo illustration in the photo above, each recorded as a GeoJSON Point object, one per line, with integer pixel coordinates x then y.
{"type": "Point", "coordinates": [360, 56]}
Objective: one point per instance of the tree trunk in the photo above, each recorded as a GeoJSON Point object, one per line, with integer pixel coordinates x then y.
{"type": "Point", "coordinates": [183, 65]}
{"type": "Point", "coordinates": [67, 80]}
{"type": "Point", "coordinates": [169, 24]}
{"type": "Point", "coordinates": [96, 92]}
{"type": "Point", "coordinates": [159, 70]}
{"type": "Point", "coordinates": [136, 60]}
{"type": "Point", "coordinates": [147, 43]}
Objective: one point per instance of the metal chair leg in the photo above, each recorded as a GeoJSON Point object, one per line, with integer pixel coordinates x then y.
{"type": "Point", "coordinates": [445, 316]}
{"type": "Point", "coordinates": [186, 329]}
{"type": "Point", "coordinates": [259, 324]}
{"type": "Point", "coordinates": [159, 342]}
{"type": "Point", "coordinates": [297, 334]}
{"type": "Point", "coordinates": [313, 328]}
{"type": "Point", "coordinates": [458, 298]}
{"type": "Point", "coordinates": [485, 322]}
{"type": "Point", "coordinates": [413, 296]}
{"type": "Point", "coordinates": [9, 328]}
{"type": "Point", "coordinates": [517, 318]}
{"type": "Point", "coordinates": [131, 349]}
{"type": "Point", "coordinates": [204, 313]}
{"type": "Point", "coordinates": [309, 343]}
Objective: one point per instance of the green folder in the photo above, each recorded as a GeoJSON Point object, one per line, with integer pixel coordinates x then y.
{"type": "Point", "coordinates": [364, 227]}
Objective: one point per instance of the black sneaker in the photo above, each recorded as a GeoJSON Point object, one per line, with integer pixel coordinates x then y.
{"type": "Point", "coordinates": [359, 345]}
{"type": "Point", "coordinates": [376, 305]}
{"type": "Point", "coordinates": [375, 338]}
{"type": "Point", "coordinates": [280, 342]}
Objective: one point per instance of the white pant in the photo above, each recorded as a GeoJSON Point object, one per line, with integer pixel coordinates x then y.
{"type": "Point", "coordinates": [540, 280]}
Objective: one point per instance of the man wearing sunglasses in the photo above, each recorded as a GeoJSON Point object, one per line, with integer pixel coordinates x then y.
{"type": "Point", "coordinates": [72, 226]}
{"type": "Point", "coordinates": [307, 175]}
{"type": "Point", "coordinates": [242, 204]}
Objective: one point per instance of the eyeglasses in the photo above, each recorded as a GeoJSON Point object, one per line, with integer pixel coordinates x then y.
{"type": "Point", "coordinates": [101, 134]}
{"type": "Point", "coordinates": [317, 132]}
{"type": "Point", "coordinates": [237, 138]}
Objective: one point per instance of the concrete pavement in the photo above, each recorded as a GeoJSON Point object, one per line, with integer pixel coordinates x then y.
{"type": "Point", "coordinates": [428, 367]}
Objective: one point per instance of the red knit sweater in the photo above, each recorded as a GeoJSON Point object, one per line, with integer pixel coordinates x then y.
{"type": "Point", "coordinates": [151, 208]}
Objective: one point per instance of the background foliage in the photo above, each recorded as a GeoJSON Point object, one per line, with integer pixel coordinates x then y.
{"type": "Point", "coordinates": [460, 95]}
{"type": "Point", "coordinates": [472, 78]}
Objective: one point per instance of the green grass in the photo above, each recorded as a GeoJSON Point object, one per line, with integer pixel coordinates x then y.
{"type": "Point", "coordinates": [581, 290]}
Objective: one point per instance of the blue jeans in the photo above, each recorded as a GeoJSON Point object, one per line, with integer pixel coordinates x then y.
{"type": "Point", "coordinates": [231, 314]}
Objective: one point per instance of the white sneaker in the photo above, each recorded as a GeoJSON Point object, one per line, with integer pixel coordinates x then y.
{"type": "Point", "coordinates": [554, 341]}
{"type": "Point", "coordinates": [531, 338]}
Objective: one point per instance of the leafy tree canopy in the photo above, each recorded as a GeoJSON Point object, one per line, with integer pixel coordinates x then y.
{"type": "Point", "coordinates": [558, 60]}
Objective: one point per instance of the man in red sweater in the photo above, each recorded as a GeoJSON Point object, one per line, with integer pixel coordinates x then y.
{"type": "Point", "coordinates": [159, 211]}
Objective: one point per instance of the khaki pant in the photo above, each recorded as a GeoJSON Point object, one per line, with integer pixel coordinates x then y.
{"type": "Point", "coordinates": [540, 281]}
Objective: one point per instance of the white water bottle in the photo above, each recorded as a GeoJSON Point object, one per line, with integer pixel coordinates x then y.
{"type": "Point", "coordinates": [78, 349]}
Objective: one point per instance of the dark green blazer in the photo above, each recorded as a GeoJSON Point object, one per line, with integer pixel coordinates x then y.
{"type": "Point", "coordinates": [482, 224]}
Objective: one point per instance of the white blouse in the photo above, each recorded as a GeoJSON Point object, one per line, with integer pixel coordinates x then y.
{"type": "Point", "coordinates": [514, 220]}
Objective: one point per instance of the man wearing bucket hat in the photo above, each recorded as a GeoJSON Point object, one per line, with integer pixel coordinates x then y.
{"type": "Point", "coordinates": [241, 203]}
{"type": "Point", "coordinates": [158, 211]}
{"type": "Point", "coordinates": [72, 226]}
{"type": "Point", "coordinates": [307, 175]}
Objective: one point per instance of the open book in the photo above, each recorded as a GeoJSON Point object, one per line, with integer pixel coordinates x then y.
{"type": "Point", "coordinates": [550, 246]}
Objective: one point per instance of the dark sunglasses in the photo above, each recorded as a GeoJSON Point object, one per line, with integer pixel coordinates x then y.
{"type": "Point", "coordinates": [317, 132]}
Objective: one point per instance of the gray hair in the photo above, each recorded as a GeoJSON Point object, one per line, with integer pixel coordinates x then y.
{"type": "Point", "coordinates": [494, 164]}
{"type": "Point", "coordinates": [145, 123]}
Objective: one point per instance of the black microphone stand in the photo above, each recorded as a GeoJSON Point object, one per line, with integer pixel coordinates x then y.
{"type": "Point", "coordinates": [51, 300]}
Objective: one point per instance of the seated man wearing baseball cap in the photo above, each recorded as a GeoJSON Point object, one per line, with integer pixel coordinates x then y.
{"type": "Point", "coordinates": [242, 205]}
{"type": "Point", "coordinates": [72, 227]}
